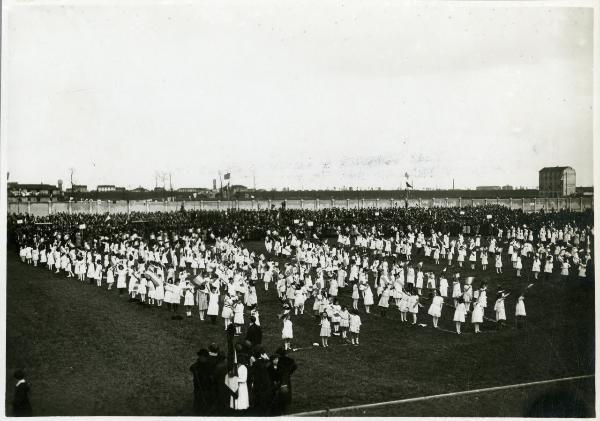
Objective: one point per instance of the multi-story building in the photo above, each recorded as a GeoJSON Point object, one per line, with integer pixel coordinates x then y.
{"type": "Point", "coordinates": [106, 187]}
{"type": "Point", "coordinates": [556, 181]}
{"type": "Point", "coordinates": [77, 188]}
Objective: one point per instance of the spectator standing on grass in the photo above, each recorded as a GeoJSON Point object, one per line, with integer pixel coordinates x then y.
{"type": "Point", "coordinates": [21, 405]}
{"type": "Point", "coordinates": [281, 370]}
{"type": "Point", "coordinates": [202, 383]}
{"type": "Point", "coordinates": [254, 332]}
{"type": "Point", "coordinates": [259, 383]}
{"type": "Point", "coordinates": [241, 401]}
{"type": "Point", "coordinates": [216, 368]}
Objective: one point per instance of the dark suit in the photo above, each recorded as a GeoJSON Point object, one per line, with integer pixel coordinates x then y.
{"type": "Point", "coordinates": [216, 367]}
{"type": "Point", "coordinates": [202, 386]}
{"type": "Point", "coordinates": [261, 387]}
{"type": "Point", "coordinates": [21, 405]}
{"type": "Point", "coordinates": [281, 376]}
{"type": "Point", "coordinates": [254, 334]}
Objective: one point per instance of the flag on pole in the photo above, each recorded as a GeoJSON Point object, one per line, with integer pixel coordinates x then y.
{"type": "Point", "coordinates": [406, 174]}
{"type": "Point", "coordinates": [227, 176]}
{"type": "Point", "coordinates": [408, 185]}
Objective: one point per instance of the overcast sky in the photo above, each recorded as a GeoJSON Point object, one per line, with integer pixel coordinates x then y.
{"type": "Point", "coordinates": [303, 95]}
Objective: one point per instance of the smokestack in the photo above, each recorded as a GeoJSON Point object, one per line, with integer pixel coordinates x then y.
{"type": "Point", "coordinates": [60, 185]}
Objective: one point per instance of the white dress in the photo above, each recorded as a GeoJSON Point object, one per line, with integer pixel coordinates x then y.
{"type": "Point", "coordinates": [287, 331]}
{"type": "Point", "coordinates": [477, 315]}
{"type": "Point", "coordinates": [159, 294]}
{"type": "Point", "coordinates": [520, 309]}
{"type": "Point", "coordinates": [242, 402]}
{"type": "Point", "coordinates": [456, 290]}
{"type": "Point", "coordinates": [459, 313]}
{"type": "Point", "coordinates": [189, 297]}
{"type": "Point", "coordinates": [213, 304]}
{"type": "Point", "coordinates": [435, 309]}
{"type": "Point", "coordinates": [355, 323]}
{"type": "Point", "coordinates": [499, 309]}
{"type": "Point", "coordinates": [121, 279]}
{"type": "Point", "coordinates": [443, 287]}
{"type": "Point", "coordinates": [368, 296]}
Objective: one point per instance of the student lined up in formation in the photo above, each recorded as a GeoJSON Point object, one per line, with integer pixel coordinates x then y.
{"type": "Point", "coordinates": [220, 279]}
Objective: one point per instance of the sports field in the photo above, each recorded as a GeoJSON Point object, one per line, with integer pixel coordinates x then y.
{"type": "Point", "coordinates": [88, 351]}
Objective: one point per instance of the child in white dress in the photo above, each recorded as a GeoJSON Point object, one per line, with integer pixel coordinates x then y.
{"type": "Point", "coordinates": [520, 312]}
{"type": "Point", "coordinates": [287, 333]}
{"type": "Point", "coordinates": [500, 311]}
{"type": "Point", "coordinates": [435, 309]}
{"type": "Point", "coordinates": [325, 330]}
{"type": "Point", "coordinates": [344, 321]}
{"type": "Point", "coordinates": [354, 327]}
{"type": "Point", "coordinates": [459, 314]}
{"type": "Point", "coordinates": [355, 296]}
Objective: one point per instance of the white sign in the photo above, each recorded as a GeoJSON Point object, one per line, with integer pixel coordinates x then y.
{"type": "Point", "coordinates": [462, 212]}
{"type": "Point", "coordinates": [309, 223]}
{"type": "Point", "coordinates": [82, 226]}
{"type": "Point", "coordinates": [376, 213]}
{"type": "Point", "coordinates": [489, 217]}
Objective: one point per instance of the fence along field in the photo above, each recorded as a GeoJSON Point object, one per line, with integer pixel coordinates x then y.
{"type": "Point", "coordinates": [527, 204]}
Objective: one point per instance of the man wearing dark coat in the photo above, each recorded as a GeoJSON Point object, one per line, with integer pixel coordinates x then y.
{"type": "Point", "coordinates": [20, 404]}
{"type": "Point", "coordinates": [254, 332]}
{"type": "Point", "coordinates": [260, 384]}
{"type": "Point", "coordinates": [201, 380]}
{"type": "Point", "coordinates": [281, 370]}
{"type": "Point", "coordinates": [216, 368]}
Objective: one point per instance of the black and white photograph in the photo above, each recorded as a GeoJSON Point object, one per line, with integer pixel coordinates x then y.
{"type": "Point", "coordinates": [271, 208]}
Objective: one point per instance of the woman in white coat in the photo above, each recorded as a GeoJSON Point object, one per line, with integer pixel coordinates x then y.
{"type": "Point", "coordinates": [242, 401]}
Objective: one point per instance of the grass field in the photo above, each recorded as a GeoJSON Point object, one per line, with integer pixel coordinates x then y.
{"type": "Point", "coordinates": [88, 351]}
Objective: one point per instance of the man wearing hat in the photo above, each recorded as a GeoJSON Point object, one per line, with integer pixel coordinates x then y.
{"type": "Point", "coordinates": [216, 368]}
{"type": "Point", "coordinates": [201, 380]}
{"type": "Point", "coordinates": [254, 332]}
{"type": "Point", "coordinates": [281, 370]}
{"type": "Point", "coordinates": [261, 386]}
